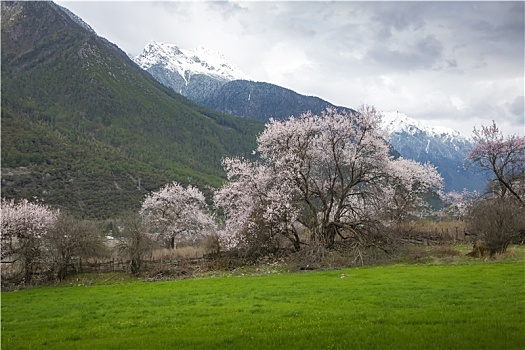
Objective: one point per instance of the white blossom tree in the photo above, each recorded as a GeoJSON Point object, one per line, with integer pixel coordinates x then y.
{"type": "Point", "coordinates": [329, 173]}
{"type": "Point", "coordinates": [176, 212]}
{"type": "Point", "coordinates": [457, 205]}
{"type": "Point", "coordinates": [407, 183]}
{"type": "Point", "coordinates": [24, 224]}
{"type": "Point", "coordinates": [258, 203]}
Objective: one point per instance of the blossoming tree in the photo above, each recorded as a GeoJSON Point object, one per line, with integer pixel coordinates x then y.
{"type": "Point", "coordinates": [258, 203]}
{"type": "Point", "coordinates": [503, 157]}
{"type": "Point", "coordinates": [328, 173]}
{"type": "Point", "coordinates": [177, 212]}
{"type": "Point", "coordinates": [499, 220]}
{"type": "Point", "coordinates": [24, 224]}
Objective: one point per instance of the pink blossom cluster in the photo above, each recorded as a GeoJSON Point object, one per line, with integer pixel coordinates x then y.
{"type": "Point", "coordinates": [24, 220]}
{"type": "Point", "coordinates": [457, 204]}
{"type": "Point", "coordinates": [177, 211]}
{"type": "Point", "coordinates": [503, 157]}
{"type": "Point", "coordinates": [322, 172]}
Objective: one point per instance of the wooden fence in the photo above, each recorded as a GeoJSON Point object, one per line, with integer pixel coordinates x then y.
{"type": "Point", "coordinates": [436, 236]}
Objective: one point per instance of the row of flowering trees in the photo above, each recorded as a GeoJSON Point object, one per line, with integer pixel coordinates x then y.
{"type": "Point", "coordinates": [312, 178]}
{"type": "Point", "coordinates": [316, 177]}
{"type": "Point", "coordinates": [326, 175]}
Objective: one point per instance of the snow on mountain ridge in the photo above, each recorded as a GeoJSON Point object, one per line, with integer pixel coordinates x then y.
{"type": "Point", "coordinates": [75, 18]}
{"type": "Point", "coordinates": [189, 62]}
{"type": "Point", "coordinates": [394, 121]}
{"type": "Point", "coordinates": [443, 147]}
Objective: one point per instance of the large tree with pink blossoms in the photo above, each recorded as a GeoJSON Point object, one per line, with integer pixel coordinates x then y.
{"type": "Point", "coordinates": [498, 219]}
{"type": "Point", "coordinates": [259, 206]}
{"type": "Point", "coordinates": [503, 158]}
{"type": "Point", "coordinates": [24, 224]}
{"type": "Point", "coordinates": [176, 213]}
{"type": "Point", "coordinates": [330, 174]}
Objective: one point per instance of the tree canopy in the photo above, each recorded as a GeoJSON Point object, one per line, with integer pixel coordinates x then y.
{"type": "Point", "coordinates": [176, 212]}
{"type": "Point", "coordinates": [503, 157]}
{"type": "Point", "coordinates": [329, 174]}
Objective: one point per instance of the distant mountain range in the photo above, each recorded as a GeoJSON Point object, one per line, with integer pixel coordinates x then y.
{"type": "Point", "coordinates": [208, 78]}
{"type": "Point", "coordinates": [212, 80]}
{"type": "Point", "coordinates": [443, 147]}
{"type": "Point", "coordinates": [191, 73]}
{"type": "Point", "coordinates": [85, 128]}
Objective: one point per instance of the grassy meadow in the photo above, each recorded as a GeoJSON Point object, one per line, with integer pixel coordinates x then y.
{"type": "Point", "coordinates": [478, 305]}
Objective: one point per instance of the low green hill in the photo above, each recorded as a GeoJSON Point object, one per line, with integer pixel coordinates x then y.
{"type": "Point", "coordinates": [83, 128]}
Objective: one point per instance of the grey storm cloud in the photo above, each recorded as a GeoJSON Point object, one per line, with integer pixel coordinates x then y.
{"type": "Point", "coordinates": [517, 106]}
{"type": "Point", "coordinates": [435, 61]}
{"type": "Point", "coordinates": [423, 54]}
{"type": "Point", "coordinates": [390, 18]}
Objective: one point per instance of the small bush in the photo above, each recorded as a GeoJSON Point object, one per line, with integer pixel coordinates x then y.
{"type": "Point", "coordinates": [70, 240]}
{"type": "Point", "coordinates": [479, 250]}
{"type": "Point", "coordinates": [212, 244]}
{"type": "Point", "coordinates": [135, 245]}
{"type": "Point", "coordinates": [496, 223]}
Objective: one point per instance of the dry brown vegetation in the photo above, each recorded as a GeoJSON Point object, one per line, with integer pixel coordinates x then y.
{"type": "Point", "coordinates": [429, 232]}
{"type": "Point", "coordinates": [422, 242]}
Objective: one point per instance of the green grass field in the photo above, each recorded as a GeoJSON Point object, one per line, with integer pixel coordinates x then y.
{"type": "Point", "coordinates": [470, 306]}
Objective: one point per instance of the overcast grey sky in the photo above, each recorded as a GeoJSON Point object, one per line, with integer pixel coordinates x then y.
{"type": "Point", "coordinates": [454, 64]}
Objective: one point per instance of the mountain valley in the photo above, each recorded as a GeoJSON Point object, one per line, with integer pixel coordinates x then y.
{"type": "Point", "coordinates": [91, 130]}
{"type": "Point", "coordinates": [231, 93]}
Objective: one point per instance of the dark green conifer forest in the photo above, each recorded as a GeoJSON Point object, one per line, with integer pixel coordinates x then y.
{"type": "Point", "coordinates": [85, 129]}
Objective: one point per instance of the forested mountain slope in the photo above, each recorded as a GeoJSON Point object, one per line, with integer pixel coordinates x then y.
{"type": "Point", "coordinates": [84, 128]}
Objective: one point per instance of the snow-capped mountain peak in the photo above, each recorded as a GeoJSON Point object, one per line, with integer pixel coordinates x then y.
{"type": "Point", "coordinates": [189, 62]}
{"type": "Point", "coordinates": [443, 147]}
{"type": "Point", "coordinates": [397, 122]}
